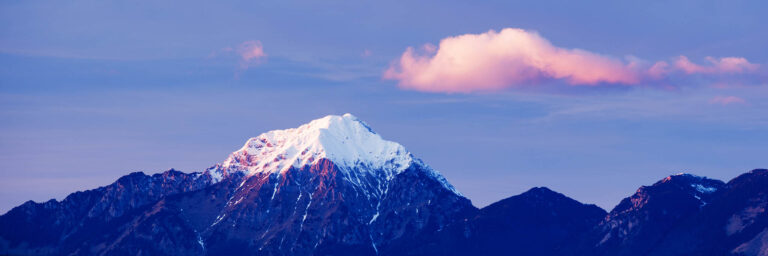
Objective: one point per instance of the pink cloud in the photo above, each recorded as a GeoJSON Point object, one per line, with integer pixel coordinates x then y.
{"type": "Point", "coordinates": [251, 52]}
{"type": "Point", "coordinates": [717, 66]}
{"type": "Point", "coordinates": [727, 100]}
{"type": "Point", "coordinates": [513, 57]}
{"type": "Point", "coordinates": [366, 53]}
{"type": "Point", "coordinates": [496, 60]}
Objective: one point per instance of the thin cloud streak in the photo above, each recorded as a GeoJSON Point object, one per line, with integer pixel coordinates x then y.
{"type": "Point", "coordinates": [513, 58]}
{"type": "Point", "coordinates": [727, 100]}
{"type": "Point", "coordinates": [734, 65]}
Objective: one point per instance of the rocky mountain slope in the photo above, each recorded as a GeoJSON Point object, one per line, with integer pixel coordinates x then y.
{"type": "Point", "coordinates": [335, 187]}
{"type": "Point", "coordinates": [330, 187]}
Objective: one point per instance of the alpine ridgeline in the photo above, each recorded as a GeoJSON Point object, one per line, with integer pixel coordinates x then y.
{"type": "Point", "coordinates": [335, 187]}
{"type": "Point", "coordinates": [329, 187]}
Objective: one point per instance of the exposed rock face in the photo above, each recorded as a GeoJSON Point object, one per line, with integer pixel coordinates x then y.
{"type": "Point", "coordinates": [642, 220]}
{"type": "Point", "coordinates": [317, 210]}
{"type": "Point", "coordinates": [54, 227]}
{"type": "Point", "coordinates": [734, 223]}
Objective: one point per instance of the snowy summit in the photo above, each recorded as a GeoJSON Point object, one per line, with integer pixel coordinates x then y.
{"type": "Point", "coordinates": [344, 140]}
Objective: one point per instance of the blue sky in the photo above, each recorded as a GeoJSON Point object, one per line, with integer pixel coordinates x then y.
{"type": "Point", "coordinates": [92, 90]}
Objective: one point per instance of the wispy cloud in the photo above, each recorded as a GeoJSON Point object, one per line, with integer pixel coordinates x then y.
{"type": "Point", "coordinates": [727, 100]}
{"type": "Point", "coordinates": [723, 65]}
{"type": "Point", "coordinates": [251, 53]}
{"type": "Point", "coordinates": [512, 57]}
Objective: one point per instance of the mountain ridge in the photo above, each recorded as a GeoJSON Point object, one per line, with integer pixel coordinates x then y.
{"type": "Point", "coordinates": [276, 192]}
{"type": "Point", "coordinates": [335, 187]}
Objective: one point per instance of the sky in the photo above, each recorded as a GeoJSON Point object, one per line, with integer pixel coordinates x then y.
{"type": "Point", "coordinates": [589, 98]}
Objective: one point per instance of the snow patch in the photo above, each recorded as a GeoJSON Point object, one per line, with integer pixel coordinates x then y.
{"type": "Point", "coordinates": [373, 244]}
{"type": "Point", "coordinates": [200, 240]}
{"type": "Point", "coordinates": [704, 189]}
{"type": "Point", "coordinates": [218, 219]}
{"type": "Point", "coordinates": [215, 172]}
{"type": "Point", "coordinates": [306, 210]}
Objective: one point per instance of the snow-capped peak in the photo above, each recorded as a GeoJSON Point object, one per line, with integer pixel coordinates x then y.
{"type": "Point", "coordinates": [344, 140]}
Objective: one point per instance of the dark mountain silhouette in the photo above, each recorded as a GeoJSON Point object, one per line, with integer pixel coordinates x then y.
{"type": "Point", "coordinates": [335, 187]}
{"type": "Point", "coordinates": [537, 222]}
{"type": "Point", "coordinates": [640, 222]}
{"type": "Point", "coordinates": [734, 223]}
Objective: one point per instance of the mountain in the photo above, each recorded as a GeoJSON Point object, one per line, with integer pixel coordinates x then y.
{"type": "Point", "coordinates": [639, 222]}
{"type": "Point", "coordinates": [329, 187]}
{"type": "Point", "coordinates": [536, 222]}
{"type": "Point", "coordinates": [56, 227]}
{"type": "Point", "coordinates": [735, 222]}
{"type": "Point", "coordinates": [335, 187]}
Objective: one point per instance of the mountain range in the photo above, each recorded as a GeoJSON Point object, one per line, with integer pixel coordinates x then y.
{"type": "Point", "coordinates": [336, 187]}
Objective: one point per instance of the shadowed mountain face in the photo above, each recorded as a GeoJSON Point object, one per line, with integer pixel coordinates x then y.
{"type": "Point", "coordinates": [316, 210]}
{"type": "Point", "coordinates": [537, 222]}
{"type": "Point", "coordinates": [54, 227]}
{"type": "Point", "coordinates": [734, 223]}
{"type": "Point", "coordinates": [685, 215]}
{"type": "Point", "coordinates": [335, 187]}
{"type": "Point", "coordinates": [642, 220]}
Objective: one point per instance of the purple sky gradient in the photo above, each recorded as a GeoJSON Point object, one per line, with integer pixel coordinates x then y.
{"type": "Point", "coordinates": [93, 90]}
